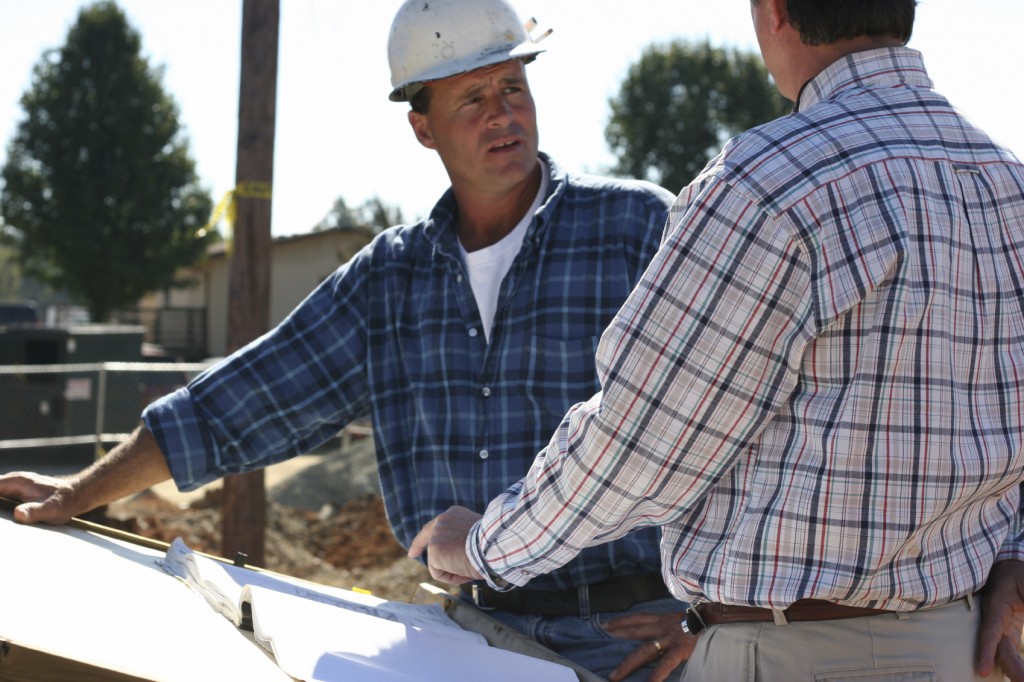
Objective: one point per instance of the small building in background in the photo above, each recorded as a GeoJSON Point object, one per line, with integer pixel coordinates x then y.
{"type": "Point", "coordinates": [190, 321]}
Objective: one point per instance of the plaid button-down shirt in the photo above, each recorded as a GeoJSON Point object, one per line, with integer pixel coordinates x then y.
{"type": "Point", "coordinates": [395, 334]}
{"type": "Point", "coordinates": [817, 389]}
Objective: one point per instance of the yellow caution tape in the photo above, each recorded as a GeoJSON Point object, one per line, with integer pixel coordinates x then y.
{"type": "Point", "coordinates": [228, 206]}
{"type": "Point", "coordinates": [218, 210]}
{"type": "Point", "coordinates": [253, 189]}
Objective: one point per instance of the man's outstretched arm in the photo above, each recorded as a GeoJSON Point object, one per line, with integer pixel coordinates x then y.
{"type": "Point", "coordinates": [131, 467]}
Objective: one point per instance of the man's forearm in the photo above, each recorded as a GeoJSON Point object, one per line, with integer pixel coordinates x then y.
{"type": "Point", "coordinates": [131, 467]}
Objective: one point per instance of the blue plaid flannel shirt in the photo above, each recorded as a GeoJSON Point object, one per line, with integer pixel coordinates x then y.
{"type": "Point", "coordinates": [395, 334]}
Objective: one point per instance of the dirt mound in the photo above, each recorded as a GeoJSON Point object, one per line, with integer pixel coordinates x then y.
{"type": "Point", "coordinates": [347, 547]}
{"type": "Point", "coordinates": [326, 523]}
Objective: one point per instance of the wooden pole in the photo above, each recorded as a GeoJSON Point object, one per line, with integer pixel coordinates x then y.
{"type": "Point", "coordinates": [244, 507]}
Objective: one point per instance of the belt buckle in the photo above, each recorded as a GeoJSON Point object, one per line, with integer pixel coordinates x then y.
{"type": "Point", "coordinates": [478, 598]}
{"type": "Point", "coordinates": [693, 623]}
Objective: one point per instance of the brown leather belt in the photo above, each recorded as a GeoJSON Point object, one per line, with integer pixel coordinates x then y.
{"type": "Point", "coordinates": [613, 594]}
{"type": "Point", "coordinates": [703, 616]}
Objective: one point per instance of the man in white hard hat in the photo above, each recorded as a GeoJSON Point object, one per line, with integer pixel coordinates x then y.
{"type": "Point", "coordinates": [465, 337]}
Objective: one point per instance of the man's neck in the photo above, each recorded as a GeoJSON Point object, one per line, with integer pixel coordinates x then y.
{"type": "Point", "coordinates": [485, 218]}
{"type": "Point", "coordinates": [817, 58]}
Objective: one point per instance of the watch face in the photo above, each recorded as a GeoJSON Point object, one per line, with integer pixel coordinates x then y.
{"type": "Point", "coordinates": [694, 624]}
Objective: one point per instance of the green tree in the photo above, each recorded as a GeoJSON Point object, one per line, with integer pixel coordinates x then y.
{"type": "Point", "coordinates": [680, 103]}
{"type": "Point", "coordinates": [100, 194]}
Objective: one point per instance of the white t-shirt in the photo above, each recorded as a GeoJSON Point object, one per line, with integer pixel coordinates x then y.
{"type": "Point", "coordinates": [488, 266]}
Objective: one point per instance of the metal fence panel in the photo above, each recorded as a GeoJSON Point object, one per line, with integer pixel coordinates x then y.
{"type": "Point", "coordinates": [64, 415]}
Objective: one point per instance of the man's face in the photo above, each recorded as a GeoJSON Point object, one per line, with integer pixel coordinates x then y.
{"type": "Point", "coordinates": [483, 124]}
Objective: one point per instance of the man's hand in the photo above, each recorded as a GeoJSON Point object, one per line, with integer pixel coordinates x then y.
{"type": "Point", "coordinates": [1002, 615]}
{"type": "Point", "coordinates": [131, 467]}
{"type": "Point", "coordinates": [673, 645]}
{"type": "Point", "coordinates": [44, 499]}
{"type": "Point", "coordinates": [444, 541]}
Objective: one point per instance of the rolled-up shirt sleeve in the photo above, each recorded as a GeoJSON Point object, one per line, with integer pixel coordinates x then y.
{"type": "Point", "coordinates": [279, 396]}
{"type": "Point", "coordinates": [1013, 547]}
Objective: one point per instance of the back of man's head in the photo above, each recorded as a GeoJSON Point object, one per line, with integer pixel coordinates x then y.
{"type": "Point", "coordinates": [821, 22]}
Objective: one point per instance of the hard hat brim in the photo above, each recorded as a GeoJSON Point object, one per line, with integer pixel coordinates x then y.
{"type": "Point", "coordinates": [527, 51]}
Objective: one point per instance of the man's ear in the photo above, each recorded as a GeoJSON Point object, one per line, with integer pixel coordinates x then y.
{"type": "Point", "coordinates": [778, 15]}
{"type": "Point", "coordinates": [421, 128]}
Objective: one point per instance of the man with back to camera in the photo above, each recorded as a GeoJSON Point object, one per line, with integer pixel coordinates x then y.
{"type": "Point", "coordinates": [815, 390]}
{"type": "Point", "coordinates": [465, 337]}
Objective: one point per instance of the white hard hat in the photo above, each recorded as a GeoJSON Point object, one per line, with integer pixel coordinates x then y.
{"type": "Point", "coordinates": [433, 39]}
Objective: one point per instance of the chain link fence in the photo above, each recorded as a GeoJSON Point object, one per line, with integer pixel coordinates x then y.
{"type": "Point", "coordinates": [61, 416]}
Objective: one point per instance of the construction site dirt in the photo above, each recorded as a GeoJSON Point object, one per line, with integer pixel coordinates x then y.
{"type": "Point", "coordinates": [325, 522]}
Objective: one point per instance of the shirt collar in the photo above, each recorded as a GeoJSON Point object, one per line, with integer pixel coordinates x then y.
{"type": "Point", "coordinates": [440, 227]}
{"type": "Point", "coordinates": [887, 66]}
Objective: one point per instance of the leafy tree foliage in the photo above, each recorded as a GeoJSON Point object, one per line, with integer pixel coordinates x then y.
{"type": "Point", "coordinates": [372, 214]}
{"type": "Point", "coordinates": [100, 194]}
{"type": "Point", "coordinates": [680, 103]}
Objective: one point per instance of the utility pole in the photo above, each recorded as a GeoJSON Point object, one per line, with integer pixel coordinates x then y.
{"type": "Point", "coordinates": [244, 509]}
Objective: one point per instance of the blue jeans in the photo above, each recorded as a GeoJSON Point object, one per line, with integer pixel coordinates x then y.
{"type": "Point", "coordinates": [583, 640]}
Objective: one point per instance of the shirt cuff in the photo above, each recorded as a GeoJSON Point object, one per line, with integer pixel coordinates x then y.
{"type": "Point", "coordinates": [175, 426]}
{"type": "Point", "coordinates": [476, 558]}
{"type": "Point", "coordinates": [1013, 548]}
{"type": "Point", "coordinates": [1013, 545]}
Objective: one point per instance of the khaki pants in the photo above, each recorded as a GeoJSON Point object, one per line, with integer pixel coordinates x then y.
{"type": "Point", "coordinates": [933, 645]}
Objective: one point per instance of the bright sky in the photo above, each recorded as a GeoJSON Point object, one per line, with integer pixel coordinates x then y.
{"type": "Point", "coordinates": [338, 135]}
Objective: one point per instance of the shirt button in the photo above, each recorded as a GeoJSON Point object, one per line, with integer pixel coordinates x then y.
{"type": "Point", "coordinates": [473, 332]}
{"type": "Point", "coordinates": [484, 454]}
{"type": "Point", "coordinates": [458, 277]}
{"type": "Point", "coordinates": [486, 392]}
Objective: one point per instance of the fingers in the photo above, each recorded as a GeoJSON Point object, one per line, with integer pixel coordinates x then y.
{"type": "Point", "coordinates": [451, 566]}
{"type": "Point", "coordinates": [672, 659]}
{"type": "Point", "coordinates": [450, 578]}
{"type": "Point", "coordinates": [988, 645]}
{"type": "Point", "coordinates": [19, 486]}
{"type": "Point", "coordinates": [41, 498]}
{"type": "Point", "coordinates": [50, 511]}
{"type": "Point", "coordinates": [443, 538]}
{"type": "Point", "coordinates": [666, 658]}
{"type": "Point", "coordinates": [989, 636]}
{"type": "Point", "coordinates": [422, 540]}
{"type": "Point", "coordinates": [669, 649]}
{"type": "Point", "coordinates": [1008, 658]}
{"type": "Point", "coordinates": [1001, 614]}
{"type": "Point", "coordinates": [679, 651]}
{"type": "Point", "coordinates": [27, 512]}
{"type": "Point", "coordinates": [641, 656]}
{"type": "Point", "coordinates": [644, 625]}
